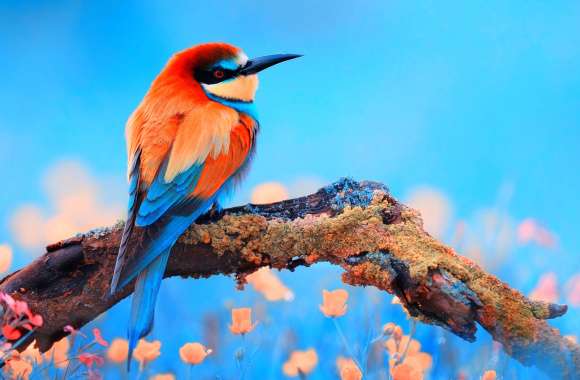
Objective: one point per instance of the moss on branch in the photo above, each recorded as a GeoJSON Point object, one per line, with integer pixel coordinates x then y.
{"type": "Point", "coordinates": [358, 226]}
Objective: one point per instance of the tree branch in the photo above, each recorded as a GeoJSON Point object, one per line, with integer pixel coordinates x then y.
{"type": "Point", "coordinates": [358, 226]}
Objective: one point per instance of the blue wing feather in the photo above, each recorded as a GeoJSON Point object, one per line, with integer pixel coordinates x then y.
{"type": "Point", "coordinates": [160, 237]}
{"type": "Point", "coordinates": [161, 195]}
{"type": "Point", "coordinates": [134, 200]}
{"type": "Point", "coordinates": [145, 209]}
{"type": "Point", "coordinates": [163, 212]}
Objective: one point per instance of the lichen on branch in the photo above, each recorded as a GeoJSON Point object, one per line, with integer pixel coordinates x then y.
{"type": "Point", "coordinates": [358, 226]}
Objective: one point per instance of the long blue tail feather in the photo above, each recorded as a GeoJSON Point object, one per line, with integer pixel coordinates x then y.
{"type": "Point", "coordinates": [148, 267]}
{"type": "Point", "coordinates": [143, 303]}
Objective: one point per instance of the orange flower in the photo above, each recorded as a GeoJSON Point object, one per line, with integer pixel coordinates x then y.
{"type": "Point", "coordinates": [269, 192]}
{"type": "Point", "coordinates": [421, 361]}
{"type": "Point", "coordinates": [389, 328]}
{"type": "Point", "coordinates": [32, 354]}
{"type": "Point", "coordinates": [269, 285]}
{"type": "Point", "coordinates": [193, 353]}
{"type": "Point", "coordinates": [398, 334]}
{"type": "Point", "coordinates": [434, 206]}
{"type": "Point", "coordinates": [394, 348]}
{"type": "Point", "coordinates": [334, 303]}
{"type": "Point", "coordinates": [414, 361]}
{"type": "Point", "coordinates": [5, 257]}
{"type": "Point", "coordinates": [347, 369]}
{"type": "Point", "coordinates": [118, 351]}
{"type": "Point", "coordinates": [406, 372]}
{"type": "Point", "coordinates": [242, 321]}
{"type": "Point", "coordinates": [163, 376]}
{"type": "Point", "coordinates": [300, 362]}
{"type": "Point", "coordinates": [146, 352]}
{"type": "Point", "coordinates": [18, 368]}
{"type": "Point", "coordinates": [489, 375]}
{"type": "Point", "coordinates": [58, 353]}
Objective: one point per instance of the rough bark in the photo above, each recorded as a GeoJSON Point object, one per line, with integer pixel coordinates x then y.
{"type": "Point", "coordinates": [358, 226]}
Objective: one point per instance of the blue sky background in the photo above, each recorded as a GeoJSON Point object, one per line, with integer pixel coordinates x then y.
{"type": "Point", "coordinates": [465, 97]}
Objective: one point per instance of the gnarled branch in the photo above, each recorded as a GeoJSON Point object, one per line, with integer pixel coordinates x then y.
{"type": "Point", "coordinates": [358, 226]}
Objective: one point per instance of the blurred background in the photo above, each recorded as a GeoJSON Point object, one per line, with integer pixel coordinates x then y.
{"type": "Point", "coordinates": [468, 111]}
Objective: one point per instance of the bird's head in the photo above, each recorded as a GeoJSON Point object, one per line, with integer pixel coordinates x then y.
{"type": "Point", "coordinates": [223, 70]}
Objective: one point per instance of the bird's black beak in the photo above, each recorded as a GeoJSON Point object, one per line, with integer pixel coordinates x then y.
{"type": "Point", "coordinates": [255, 65]}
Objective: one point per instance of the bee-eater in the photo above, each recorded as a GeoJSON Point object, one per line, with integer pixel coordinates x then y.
{"type": "Point", "coordinates": [190, 140]}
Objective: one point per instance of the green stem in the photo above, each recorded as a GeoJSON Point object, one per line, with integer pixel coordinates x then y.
{"type": "Point", "coordinates": [243, 361]}
{"type": "Point", "coordinates": [411, 333]}
{"type": "Point", "coordinates": [16, 344]}
{"type": "Point", "coordinates": [345, 342]}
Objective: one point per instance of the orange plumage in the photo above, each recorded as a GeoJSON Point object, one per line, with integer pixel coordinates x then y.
{"type": "Point", "coordinates": [177, 112]}
{"type": "Point", "coordinates": [188, 140]}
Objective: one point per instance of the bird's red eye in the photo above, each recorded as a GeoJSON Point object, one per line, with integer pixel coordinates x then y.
{"type": "Point", "coordinates": [218, 74]}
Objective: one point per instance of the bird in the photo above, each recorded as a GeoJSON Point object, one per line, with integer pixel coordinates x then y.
{"type": "Point", "coordinates": [189, 141]}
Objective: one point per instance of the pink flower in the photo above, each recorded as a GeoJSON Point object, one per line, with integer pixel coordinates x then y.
{"type": "Point", "coordinates": [10, 333]}
{"type": "Point", "coordinates": [21, 308]}
{"type": "Point", "coordinates": [89, 359]}
{"type": "Point", "coordinates": [94, 375]}
{"type": "Point", "coordinates": [72, 331]}
{"type": "Point", "coordinates": [573, 290]}
{"type": "Point", "coordinates": [99, 338]}
{"type": "Point", "coordinates": [530, 231]}
{"type": "Point", "coordinates": [8, 300]}
{"type": "Point", "coordinates": [36, 320]}
{"type": "Point", "coordinates": [547, 288]}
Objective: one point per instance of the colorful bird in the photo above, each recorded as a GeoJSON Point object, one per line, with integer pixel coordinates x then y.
{"type": "Point", "coordinates": [190, 140]}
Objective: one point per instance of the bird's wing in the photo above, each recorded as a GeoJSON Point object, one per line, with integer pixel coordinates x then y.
{"type": "Point", "coordinates": [132, 208]}
{"type": "Point", "coordinates": [202, 158]}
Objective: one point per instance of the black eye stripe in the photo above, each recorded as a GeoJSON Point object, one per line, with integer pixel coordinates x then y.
{"type": "Point", "coordinates": [214, 75]}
